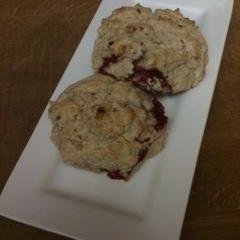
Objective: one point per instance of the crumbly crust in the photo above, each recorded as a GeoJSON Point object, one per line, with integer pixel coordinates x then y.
{"type": "Point", "coordinates": [106, 125]}
{"type": "Point", "coordinates": [163, 41]}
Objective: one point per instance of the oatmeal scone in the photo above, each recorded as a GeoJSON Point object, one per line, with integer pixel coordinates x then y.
{"type": "Point", "coordinates": [106, 125]}
{"type": "Point", "coordinates": [160, 51]}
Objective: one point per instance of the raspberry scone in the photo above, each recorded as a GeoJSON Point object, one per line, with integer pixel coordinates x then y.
{"type": "Point", "coordinates": [106, 125]}
{"type": "Point", "coordinates": [160, 52]}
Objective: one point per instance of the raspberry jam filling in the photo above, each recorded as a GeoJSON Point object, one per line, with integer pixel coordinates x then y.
{"type": "Point", "coordinates": [146, 78]}
{"type": "Point", "coordinates": [115, 175]}
{"type": "Point", "coordinates": [107, 61]}
{"type": "Point", "coordinates": [159, 115]}
{"type": "Point", "coordinates": [142, 77]}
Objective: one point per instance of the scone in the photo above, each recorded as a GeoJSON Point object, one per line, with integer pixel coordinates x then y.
{"type": "Point", "coordinates": [106, 125]}
{"type": "Point", "coordinates": [160, 52]}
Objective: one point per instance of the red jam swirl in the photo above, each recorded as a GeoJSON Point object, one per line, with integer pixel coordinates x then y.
{"type": "Point", "coordinates": [141, 78]}
{"type": "Point", "coordinates": [159, 115]}
{"type": "Point", "coordinates": [115, 175]}
{"type": "Point", "coordinates": [107, 61]}
{"type": "Point", "coordinates": [141, 75]}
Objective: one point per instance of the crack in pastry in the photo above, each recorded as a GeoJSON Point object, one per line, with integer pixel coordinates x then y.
{"type": "Point", "coordinates": [106, 125]}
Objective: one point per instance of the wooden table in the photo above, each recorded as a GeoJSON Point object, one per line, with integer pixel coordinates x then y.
{"type": "Point", "coordinates": [37, 41]}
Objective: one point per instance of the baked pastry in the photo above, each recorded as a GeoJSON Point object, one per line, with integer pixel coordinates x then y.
{"type": "Point", "coordinates": [160, 52]}
{"type": "Point", "coordinates": [106, 125]}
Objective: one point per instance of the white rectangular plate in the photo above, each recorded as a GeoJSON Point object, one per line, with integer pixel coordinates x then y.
{"type": "Point", "coordinates": [45, 193]}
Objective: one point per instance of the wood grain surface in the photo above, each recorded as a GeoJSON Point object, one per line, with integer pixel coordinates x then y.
{"type": "Point", "coordinates": [37, 41]}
